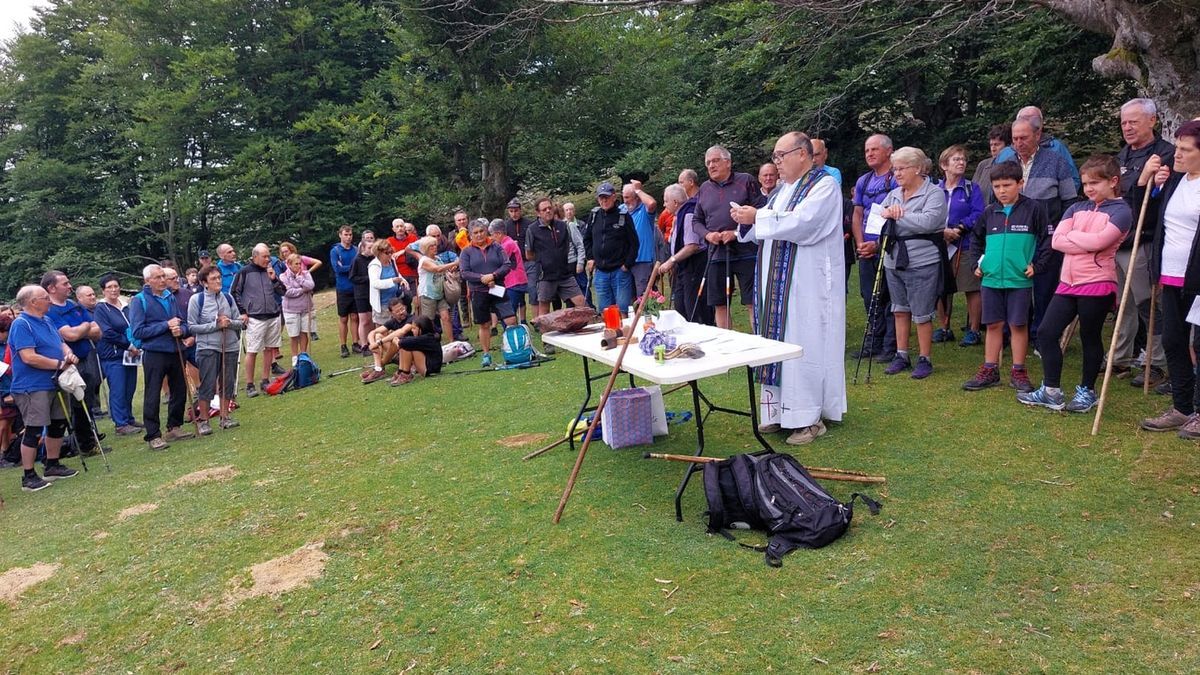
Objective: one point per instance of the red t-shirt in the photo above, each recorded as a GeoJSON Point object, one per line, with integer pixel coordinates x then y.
{"type": "Point", "coordinates": [399, 246]}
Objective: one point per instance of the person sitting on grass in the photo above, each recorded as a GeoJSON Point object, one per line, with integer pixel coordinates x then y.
{"type": "Point", "coordinates": [297, 304]}
{"type": "Point", "coordinates": [420, 351]}
{"type": "Point", "coordinates": [384, 341]}
{"type": "Point", "coordinates": [1011, 241]}
{"type": "Point", "coordinates": [1088, 236]}
{"type": "Point", "coordinates": [431, 273]}
{"type": "Point", "coordinates": [214, 319]}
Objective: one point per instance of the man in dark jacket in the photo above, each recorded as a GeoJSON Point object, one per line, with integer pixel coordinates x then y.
{"type": "Point", "coordinates": [156, 319]}
{"type": "Point", "coordinates": [611, 245]}
{"type": "Point", "coordinates": [257, 290]}
{"type": "Point", "coordinates": [549, 243]}
{"type": "Point", "coordinates": [517, 227]}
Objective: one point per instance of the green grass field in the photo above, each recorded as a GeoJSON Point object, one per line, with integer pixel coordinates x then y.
{"type": "Point", "coordinates": [1011, 540]}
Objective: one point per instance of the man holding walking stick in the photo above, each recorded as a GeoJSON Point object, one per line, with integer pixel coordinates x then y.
{"type": "Point", "coordinates": [157, 320]}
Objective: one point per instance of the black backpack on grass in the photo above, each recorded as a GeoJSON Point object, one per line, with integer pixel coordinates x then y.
{"type": "Point", "coordinates": [774, 493]}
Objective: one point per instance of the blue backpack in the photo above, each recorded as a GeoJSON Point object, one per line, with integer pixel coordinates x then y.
{"type": "Point", "coordinates": [516, 346]}
{"type": "Point", "coordinates": [307, 373]}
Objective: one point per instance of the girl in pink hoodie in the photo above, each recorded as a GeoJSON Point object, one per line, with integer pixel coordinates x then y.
{"type": "Point", "coordinates": [1088, 236]}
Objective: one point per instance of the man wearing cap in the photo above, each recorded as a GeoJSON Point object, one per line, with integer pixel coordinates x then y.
{"type": "Point", "coordinates": [517, 226]}
{"type": "Point", "coordinates": [611, 245]}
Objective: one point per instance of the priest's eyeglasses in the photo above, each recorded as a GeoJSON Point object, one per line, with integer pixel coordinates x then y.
{"type": "Point", "coordinates": [778, 156]}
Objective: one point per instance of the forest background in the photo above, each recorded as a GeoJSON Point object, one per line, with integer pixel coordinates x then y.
{"type": "Point", "coordinates": [138, 130]}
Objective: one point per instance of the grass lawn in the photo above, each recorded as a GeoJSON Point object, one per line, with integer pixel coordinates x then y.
{"type": "Point", "coordinates": [1010, 540]}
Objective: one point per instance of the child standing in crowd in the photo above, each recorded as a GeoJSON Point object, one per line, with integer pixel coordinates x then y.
{"type": "Point", "coordinates": [297, 303]}
{"type": "Point", "coordinates": [1088, 237]}
{"type": "Point", "coordinates": [1011, 242]}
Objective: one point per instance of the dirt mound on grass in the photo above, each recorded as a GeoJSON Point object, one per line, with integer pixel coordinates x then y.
{"type": "Point", "coordinates": [215, 474]}
{"type": "Point", "coordinates": [522, 439]}
{"type": "Point", "coordinates": [136, 510]}
{"type": "Point", "coordinates": [297, 569]}
{"type": "Point", "coordinates": [15, 581]}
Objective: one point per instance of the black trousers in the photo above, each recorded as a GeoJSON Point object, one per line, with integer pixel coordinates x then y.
{"type": "Point", "coordinates": [1061, 310]}
{"type": "Point", "coordinates": [686, 285]}
{"type": "Point", "coordinates": [1176, 333]}
{"type": "Point", "coordinates": [160, 366]}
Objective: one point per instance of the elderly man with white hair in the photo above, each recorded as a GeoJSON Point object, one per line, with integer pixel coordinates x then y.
{"type": "Point", "coordinates": [256, 290]}
{"type": "Point", "coordinates": [157, 320]}
{"type": "Point", "coordinates": [1033, 115]}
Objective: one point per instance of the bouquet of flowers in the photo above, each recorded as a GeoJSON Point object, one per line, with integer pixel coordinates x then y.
{"type": "Point", "coordinates": [655, 303]}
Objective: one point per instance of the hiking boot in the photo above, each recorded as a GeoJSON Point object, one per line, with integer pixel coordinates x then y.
{"type": "Point", "coordinates": [158, 443]}
{"type": "Point", "coordinates": [923, 369]}
{"type": "Point", "coordinates": [137, 424]}
{"type": "Point", "coordinates": [127, 430]}
{"type": "Point", "coordinates": [943, 335]}
{"type": "Point", "coordinates": [1170, 420]}
{"type": "Point", "coordinates": [5, 464]}
{"type": "Point", "coordinates": [1044, 398]}
{"type": "Point", "coordinates": [179, 434]}
{"type": "Point", "coordinates": [345, 352]}
{"type": "Point", "coordinates": [262, 385]}
{"type": "Point", "coordinates": [1018, 378]}
{"type": "Point", "coordinates": [1157, 377]}
{"type": "Point", "coordinates": [53, 473]}
{"type": "Point", "coordinates": [898, 364]}
{"type": "Point", "coordinates": [229, 423]}
{"type": "Point", "coordinates": [1191, 430]}
{"type": "Point", "coordinates": [400, 378]}
{"type": "Point", "coordinates": [769, 428]}
{"type": "Point", "coordinates": [373, 376]}
{"type": "Point", "coordinates": [885, 357]}
{"type": "Point", "coordinates": [276, 369]}
{"type": "Point", "coordinates": [251, 392]}
{"type": "Point", "coordinates": [205, 428]}
{"type": "Point", "coordinates": [807, 434]}
{"type": "Point", "coordinates": [486, 361]}
{"type": "Point", "coordinates": [971, 338]}
{"type": "Point", "coordinates": [95, 450]}
{"type": "Point", "coordinates": [1083, 401]}
{"type": "Point", "coordinates": [33, 482]}
{"type": "Point", "coordinates": [986, 376]}
{"type": "Point", "coordinates": [1164, 389]}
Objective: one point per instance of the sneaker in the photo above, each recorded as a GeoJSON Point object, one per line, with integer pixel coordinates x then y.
{"type": "Point", "coordinates": [251, 392]}
{"type": "Point", "coordinates": [229, 423]}
{"type": "Point", "coordinates": [898, 364]}
{"type": "Point", "coordinates": [5, 464]}
{"type": "Point", "coordinates": [1170, 420]}
{"type": "Point", "coordinates": [1043, 397]}
{"type": "Point", "coordinates": [315, 337]}
{"type": "Point", "coordinates": [1157, 377]}
{"type": "Point", "coordinates": [53, 473]}
{"type": "Point", "coordinates": [1121, 372]}
{"type": "Point", "coordinates": [1083, 401]}
{"type": "Point", "coordinates": [127, 430]}
{"type": "Point", "coordinates": [885, 357]}
{"type": "Point", "coordinates": [263, 385]}
{"type": "Point", "coordinates": [276, 369]}
{"type": "Point", "coordinates": [486, 361]}
{"type": "Point", "coordinates": [94, 451]}
{"type": "Point", "coordinates": [769, 428]}
{"type": "Point", "coordinates": [33, 483]}
{"type": "Point", "coordinates": [158, 444]}
{"type": "Point", "coordinates": [971, 338]}
{"type": "Point", "coordinates": [180, 434]}
{"type": "Point", "coordinates": [1019, 379]}
{"type": "Point", "coordinates": [1164, 389]}
{"type": "Point", "coordinates": [205, 428]}
{"type": "Point", "coordinates": [373, 376]}
{"type": "Point", "coordinates": [924, 368]}
{"type": "Point", "coordinates": [548, 349]}
{"type": "Point", "coordinates": [355, 348]}
{"type": "Point", "coordinates": [400, 378]}
{"type": "Point", "coordinates": [345, 352]}
{"type": "Point", "coordinates": [939, 335]}
{"type": "Point", "coordinates": [1191, 430]}
{"type": "Point", "coordinates": [807, 434]}
{"type": "Point", "coordinates": [984, 377]}
{"type": "Point", "coordinates": [137, 424]}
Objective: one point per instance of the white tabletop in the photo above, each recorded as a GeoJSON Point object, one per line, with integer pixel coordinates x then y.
{"type": "Point", "coordinates": [724, 350]}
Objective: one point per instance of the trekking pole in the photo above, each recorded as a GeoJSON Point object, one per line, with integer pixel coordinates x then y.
{"type": "Point", "coordinates": [612, 379]}
{"type": "Point", "coordinates": [1149, 344]}
{"type": "Point", "coordinates": [871, 310]}
{"type": "Point", "coordinates": [824, 473]}
{"type": "Point", "coordinates": [95, 436]}
{"type": "Point", "coordinates": [62, 401]}
{"type": "Point", "coordinates": [700, 290]}
{"type": "Point", "coordinates": [1112, 346]}
{"type": "Point", "coordinates": [187, 387]}
{"type": "Point", "coordinates": [876, 292]}
{"type": "Point", "coordinates": [100, 387]}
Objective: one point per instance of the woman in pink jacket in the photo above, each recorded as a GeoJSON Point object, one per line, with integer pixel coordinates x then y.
{"type": "Point", "coordinates": [1088, 237]}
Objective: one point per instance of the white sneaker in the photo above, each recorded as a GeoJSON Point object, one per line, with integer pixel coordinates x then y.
{"type": "Point", "coordinates": [807, 434]}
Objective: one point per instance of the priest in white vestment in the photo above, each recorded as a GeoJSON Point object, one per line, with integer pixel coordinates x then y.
{"type": "Point", "coordinates": [801, 293]}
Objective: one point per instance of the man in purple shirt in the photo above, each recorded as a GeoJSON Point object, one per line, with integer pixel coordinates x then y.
{"type": "Point", "coordinates": [871, 188]}
{"type": "Point", "coordinates": [729, 259]}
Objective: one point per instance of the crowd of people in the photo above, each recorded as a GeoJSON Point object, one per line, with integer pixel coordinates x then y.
{"type": "Point", "coordinates": [1033, 243]}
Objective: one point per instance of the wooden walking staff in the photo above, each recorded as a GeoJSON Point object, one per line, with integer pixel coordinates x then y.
{"type": "Point", "coordinates": [1149, 338]}
{"type": "Point", "coordinates": [1112, 345]}
{"type": "Point", "coordinates": [824, 473]}
{"type": "Point", "coordinates": [612, 379]}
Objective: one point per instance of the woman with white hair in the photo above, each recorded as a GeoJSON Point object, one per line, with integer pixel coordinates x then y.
{"type": "Point", "coordinates": [430, 277]}
{"type": "Point", "coordinates": [915, 255]}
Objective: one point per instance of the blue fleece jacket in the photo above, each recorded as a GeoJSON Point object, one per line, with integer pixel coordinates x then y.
{"type": "Point", "coordinates": [148, 317]}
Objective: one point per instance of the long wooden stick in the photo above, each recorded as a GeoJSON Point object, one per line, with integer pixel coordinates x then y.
{"type": "Point", "coordinates": [1112, 345]}
{"type": "Point", "coordinates": [548, 448]}
{"type": "Point", "coordinates": [612, 379]}
{"type": "Point", "coordinates": [1149, 362]}
{"type": "Point", "coordinates": [821, 472]}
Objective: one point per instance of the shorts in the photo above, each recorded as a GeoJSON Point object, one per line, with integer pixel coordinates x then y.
{"type": "Point", "coordinates": [741, 271]}
{"type": "Point", "coordinates": [263, 334]}
{"type": "Point", "coordinates": [563, 289]}
{"type": "Point", "coordinates": [8, 411]}
{"type": "Point", "coordinates": [516, 296]}
{"type": "Point", "coordinates": [915, 290]}
{"type": "Point", "coordinates": [210, 370]}
{"type": "Point", "coordinates": [38, 408]}
{"type": "Point", "coordinates": [346, 304]}
{"type": "Point", "coordinates": [380, 318]}
{"type": "Point", "coordinates": [483, 304]}
{"type": "Point", "coordinates": [965, 279]}
{"type": "Point", "coordinates": [1006, 305]}
{"type": "Point", "coordinates": [431, 307]}
{"type": "Point", "coordinates": [297, 323]}
{"type": "Point", "coordinates": [362, 304]}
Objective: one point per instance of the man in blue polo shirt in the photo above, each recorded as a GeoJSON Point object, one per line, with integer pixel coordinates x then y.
{"type": "Point", "coordinates": [871, 188]}
{"type": "Point", "coordinates": [641, 206]}
{"type": "Point", "coordinates": [39, 353]}
{"type": "Point", "coordinates": [76, 328]}
{"type": "Point", "coordinates": [228, 264]}
{"type": "Point", "coordinates": [341, 257]}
